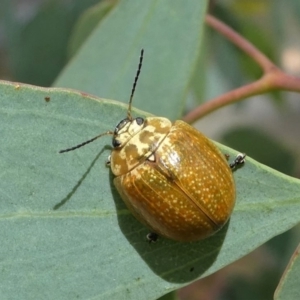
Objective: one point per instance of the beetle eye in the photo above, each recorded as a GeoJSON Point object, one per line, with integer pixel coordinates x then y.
{"type": "Point", "coordinates": [139, 120]}
{"type": "Point", "coordinates": [116, 143]}
{"type": "Point", "coordinates": [120, 125]}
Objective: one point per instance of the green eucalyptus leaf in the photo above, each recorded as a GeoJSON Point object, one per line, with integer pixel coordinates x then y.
{"type": "Point", "coordinates": [65, 232]}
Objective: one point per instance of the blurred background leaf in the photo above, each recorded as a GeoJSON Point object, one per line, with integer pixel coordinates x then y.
{"type": "Point", "coordinates": [87, 23]}
{"type": "Point", "coordinates": [37, 36]}
{"type": "Point", "coordinates": [149, 30]}
{"type": "Point", "coordinates": [288, 286]}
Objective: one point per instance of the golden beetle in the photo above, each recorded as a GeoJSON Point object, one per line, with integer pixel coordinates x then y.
{"type": "Point", "coordinates": [171, 177]}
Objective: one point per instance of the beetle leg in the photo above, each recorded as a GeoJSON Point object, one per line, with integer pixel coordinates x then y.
{"type": "Point", "coordinates": [152, 237]}
{"type": "Point", "coordinates": [239, 161]}
{"type": "Point", "coordinates": [108, 161]}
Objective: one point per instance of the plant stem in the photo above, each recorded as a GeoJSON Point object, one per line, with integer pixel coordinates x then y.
{"type": "Point", "coordinates": [273, 78]}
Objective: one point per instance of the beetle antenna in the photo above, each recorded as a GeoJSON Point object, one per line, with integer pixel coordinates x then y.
{"type": "Point", "coordinates": [129, 116]}
{"type": "Point", "coordinates": [86, 142]}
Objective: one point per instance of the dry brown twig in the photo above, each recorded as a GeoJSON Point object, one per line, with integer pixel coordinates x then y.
{"type": "Point", "coordinates": [273, 78]}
